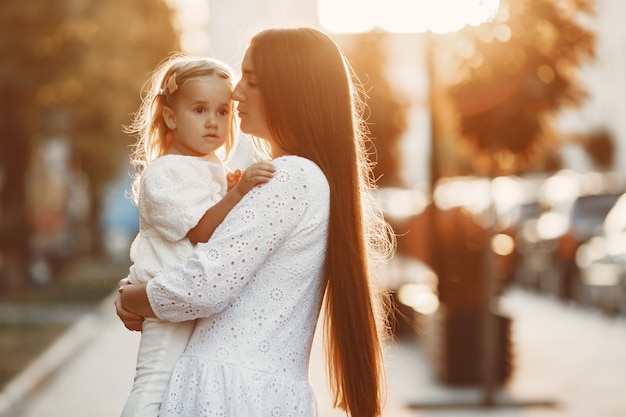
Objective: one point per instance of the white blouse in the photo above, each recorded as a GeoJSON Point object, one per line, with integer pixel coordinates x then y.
{"type": "Point", "coordinates": [175, 193]}
{"type": "Point", "coordinates": [256, 288]}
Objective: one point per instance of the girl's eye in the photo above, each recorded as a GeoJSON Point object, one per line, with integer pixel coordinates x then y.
{"type": "Point", "coordinates": [199, 110]}
{"type": "Point", "coordinates": [223, 112]}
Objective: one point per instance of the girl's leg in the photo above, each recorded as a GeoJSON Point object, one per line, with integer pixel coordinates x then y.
{"type": "Point", "coordinates": [161, 345]}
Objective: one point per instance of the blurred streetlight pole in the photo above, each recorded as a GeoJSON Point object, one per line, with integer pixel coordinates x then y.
{"type": "Point", "coordinates": [488, 334]}
{"type": "Point", "coordinates": [404, 16]}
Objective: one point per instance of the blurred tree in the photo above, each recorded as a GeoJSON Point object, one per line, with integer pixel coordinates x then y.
{"type": "Point", "coordinates": [73, 69]}
{"type": "Point", "coordinates": [387, 108]}
{"type": "Point", "coordinates": [29, 62]}
{"type": "Point", "coordinates": [516, 73]}
{"type": "Point", "coordinates": [497, 87]}
{"type": "Point", "coordinates": [120, 44]}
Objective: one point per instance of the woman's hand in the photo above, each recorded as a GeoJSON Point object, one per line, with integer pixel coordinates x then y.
{"type": "Point", "coordinates": [131, 320]}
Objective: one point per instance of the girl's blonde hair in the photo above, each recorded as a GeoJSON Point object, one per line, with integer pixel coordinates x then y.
{"type": "Point", "coordinates": [148, 125]}
{"type": "Point", "coordinates": [314, 110]}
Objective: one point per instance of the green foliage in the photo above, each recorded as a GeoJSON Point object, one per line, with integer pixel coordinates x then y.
{"type": "Point", "coordinates": [77, 68]}
{"type": "Point", "coordinates": [72, 69]}
{"type": "Point", "coordinates": [519, 70]}
{"type": "Point", "coordinates": [117, 43]}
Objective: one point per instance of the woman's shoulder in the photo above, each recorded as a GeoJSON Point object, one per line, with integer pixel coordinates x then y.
{"type": "Point", "coordinates": [297, 164]}
{"type": "Point", "coordinates": [292, 168]}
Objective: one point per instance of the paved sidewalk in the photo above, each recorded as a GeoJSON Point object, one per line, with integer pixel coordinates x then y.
{"type": "Point", "coordinates": [564, 354]}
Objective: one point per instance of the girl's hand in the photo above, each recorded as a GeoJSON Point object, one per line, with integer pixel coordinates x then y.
{"type": "Point", "coordinates": [258, 173]}
{"type": "Point", "coordinates": [232, 179]}
{"type": "Point", "coordinates": [131, 320]}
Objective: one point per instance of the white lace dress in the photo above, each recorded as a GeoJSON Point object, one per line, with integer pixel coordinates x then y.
{"type": "Point", "coordinates": [256, 288]}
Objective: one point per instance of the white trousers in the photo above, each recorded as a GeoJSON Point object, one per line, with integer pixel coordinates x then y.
{"type": "Point", "coordinates": [160, 347]}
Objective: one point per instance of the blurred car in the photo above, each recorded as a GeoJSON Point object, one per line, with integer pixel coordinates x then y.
{"type": "Point", "coordinates": [601, 261]}
{"type": "Point", "coordinates": [572, 209]}
{"type": "Point", "coordinates": [501, 206]}
{"type": "Point", "coordinates": [528, 259]}
{"type": "Point", "coordinates": [586, 218]}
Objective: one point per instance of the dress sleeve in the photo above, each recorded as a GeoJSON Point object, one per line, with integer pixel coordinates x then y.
{"type": "Point", "coordinates": [219, 269]}
{"type": "Point", "coordinates": [177, 195]}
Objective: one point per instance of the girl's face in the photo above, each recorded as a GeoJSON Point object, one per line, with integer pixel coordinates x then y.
{"type": "Point", "coordinates": [251, 109]}
{"type": "Point", "coordinates": [201, 117]}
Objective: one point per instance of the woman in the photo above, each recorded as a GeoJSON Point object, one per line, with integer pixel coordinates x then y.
{"type": "Point", "coordinates": [256, 287]}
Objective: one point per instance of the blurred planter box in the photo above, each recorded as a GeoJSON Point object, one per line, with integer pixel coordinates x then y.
{"type": "Point", "coordinates": [454, 341]}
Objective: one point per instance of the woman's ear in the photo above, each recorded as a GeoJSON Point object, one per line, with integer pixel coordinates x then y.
{"type": "Point", "coordinates": [169, 117]}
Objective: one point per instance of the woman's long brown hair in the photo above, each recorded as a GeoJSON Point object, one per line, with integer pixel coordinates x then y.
{"type": "Point", "coordinates": [313, 111]}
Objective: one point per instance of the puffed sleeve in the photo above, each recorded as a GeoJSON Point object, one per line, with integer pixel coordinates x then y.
{"type": "Point", "coordinates": [219, 269]}
{"type": "Point", "coordinates": [177, 195]}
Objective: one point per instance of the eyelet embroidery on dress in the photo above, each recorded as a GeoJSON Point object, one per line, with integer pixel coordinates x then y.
{"type": "Point", "coordinates": [259, 291]}
{"type": "Point", "coordinates": [276, 294]}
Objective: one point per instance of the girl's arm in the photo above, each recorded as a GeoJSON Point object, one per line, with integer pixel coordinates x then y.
{"type": "Point", "coordinates": [256, 174]}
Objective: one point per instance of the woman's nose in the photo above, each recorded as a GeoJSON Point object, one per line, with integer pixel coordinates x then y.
{"type": "Point", "coordinates": [237, 94]}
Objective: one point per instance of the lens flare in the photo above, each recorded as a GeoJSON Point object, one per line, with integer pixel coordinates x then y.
{"type": "Point", "coordinates": [405, 16]}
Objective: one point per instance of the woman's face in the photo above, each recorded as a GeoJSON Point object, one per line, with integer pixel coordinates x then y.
{"type": "Point", "coordinates": [250, 108]}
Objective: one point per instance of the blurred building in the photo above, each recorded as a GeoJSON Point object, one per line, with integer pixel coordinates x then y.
{"type": "Point", "coordinates": [606, 84]}
{"type": "Point", "coordinates": [232, 23]}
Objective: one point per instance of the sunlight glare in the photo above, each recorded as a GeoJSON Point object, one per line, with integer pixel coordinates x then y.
{"type": "Point", "coordinates": [414, 20]}
{"type": "Point", "coordinates": [347, 16]}
{"type": "Point", "coordinates": [552, 225]}
{"type": "Point", "coordinates": [191, 19]}
{"type": "Point", "coordinates": [419, 297]}
{"type": "Point", "coordinates": [401, 204]}
{"type": "Point", "coordinates": [502, 244]}
{"type": "Point", "coordinates": [443, 20]}
{"type": "Point", "coordinates": [482, 11]}
{"type": "Point", "coordinates": [404, 16]}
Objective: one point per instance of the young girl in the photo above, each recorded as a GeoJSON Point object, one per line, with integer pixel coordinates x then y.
{"type": "Point", "coordinates": [310, 232]}
{"type": "Point", "coordinates": [180, 188]}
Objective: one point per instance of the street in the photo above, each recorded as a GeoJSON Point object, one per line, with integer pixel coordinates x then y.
{"type": "Point", "coordinates": [567, 362]}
